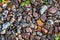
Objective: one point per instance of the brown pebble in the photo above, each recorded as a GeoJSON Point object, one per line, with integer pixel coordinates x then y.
{"type": "Point", "coordinates": [38, 28]}
{"type": "Point", "coordinates": [44, 31]}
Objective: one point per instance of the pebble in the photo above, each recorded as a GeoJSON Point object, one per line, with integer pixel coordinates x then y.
{"type": "Point", "coordinates": [34, 33]}
{"type": "Point", "coordinates": [44, 31]}
{"type": "Point", "coordinates": [29, 19]}
{"type": "Point", "coordinates": [50, 22]}
{"type": "Point", "coordinates": [0, 9]}
{"type": "Point", "coordinates": [43, 17]}
{"type": "Point", "coordinates": [35, 15]}
{"type": "Point", "coordinates": [58, 12]}
{"type": "Point", "coordinates": [39, 33]}
{"type": "Point", "coordinates": [39, 22]}
{"type": "Point", "coordinates": [32, 25]}
{"type": "Point", "coordinates": [24, 24]}
{"type": "Point", "coordinates": [39, 28]}
{"type": "Point", "coordinates": [53, 9]}
{"type": "Point", "coordinates": [4, 6]}
{"type": "Point", "coordinates": [6, 25]}
{"type": "Point", "coordinates": [59, 28]}
{"type": "Point", "coordinates": [28, 29]}
{"type": "Point", "coordinates": [43, 9]}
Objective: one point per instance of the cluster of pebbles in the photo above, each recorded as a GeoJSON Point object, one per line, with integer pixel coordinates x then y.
{"type": "Point", "coordinates": [29, 20]}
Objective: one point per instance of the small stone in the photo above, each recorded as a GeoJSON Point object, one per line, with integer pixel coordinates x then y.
{"type": "Point", "coordinates": [33, 20]}
{"type": "Point", "coordinates": [53, 9]}
{"type": "Point", "coordinates": [8, 18]}
{"type": "Point", "coordinates": [44, 31]}
{"type": "Point", "coordinates": [25, 35]}
{"type": "Point", "coordinates": [16, 34]}
{"type": "Point", "coordinates": [39, 33]}
{"type": "Point", "coordinates": [32, 25]}
{"type": "Point", "coordinates": [0, 9]}
{"type": "Point", "coordinates": [6, 25]}
{"type": "Point", "coordinates": [28, 9]}
{"type": "Point", "coordinates": [38, 28]}
{"type": "Point", "coordinates": [38, 37]}
{"type": "Point", "coordinates": [43, 9]}
{"type": "Point", "coordinates": [58, 12]}
{"type": "Point", "coordinates": [39, 22]}
{"type": "Point", "coordinates": [20, 18]}
{"type": "Point", "coordinates": [23, 20]}
{"type": "Point", "coordinates": [34, 33]}
{"type": "Point", "coordinates": [57, 21]}
{"type": "Point", "coordinates": [28, 18]}
{"type": "Point", "coordinates": [58, 1]}
{"type": "Point", "coordinates": [43, 38]}
{"type": "Point", "coordinates": [14, 8]}
{"type": "Point", "coordinates": [3, 32]}
{"type": "Point", "coordinates": [50, 22]}
{"type": "Point", "coordinates": [50, 31]}
{"type": "Point", "coordinates": [56, 30]}
{"type": "Point", "coordinates": [43, 17]}
{"type": "Point", "coordinates": [53, 36]}
{"type": "Point", "coordinates": [35, 14]}
{"type": "Point", "coordinates": [59, 28]}
{"type": "Point", "coordinates": [19, 31]}
{"type": "Point", "coordinates": [12, 20]}
{"type": "Point", "coordinates": [16, 38]}
{"type": "Point", "coordinates": [9, 6]}
{"type": "Point", "coordinates": [24, 24]}
{"type": "Point", "coordinates": [20, 37]}
{"type": "Point", "coordinates": [28, 29]}
{"type": "Point", "coordinates": [50, 1]}
{"type": "Point", "coordinates": [4, 6]}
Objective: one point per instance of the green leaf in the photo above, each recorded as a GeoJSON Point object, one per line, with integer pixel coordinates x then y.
{"type": "Point", "coordinates": [56, 38]}
{"type": "Point", "coordinates": [23, 4]}
{"type": "Point", "coordinates": [45, 3]}
{"type": "Point", "coordinates": [59, 35]}
{"type": "Point", "coordinates": [0, 0]}
{"type": "Point", "coordinates": [27, 2]}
